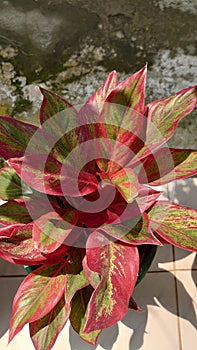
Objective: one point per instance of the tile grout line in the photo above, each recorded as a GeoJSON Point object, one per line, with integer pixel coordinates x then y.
{"type": "Point", "coordinates": [171, 270]}
{"type": "Point", "coordinates": [177, 301]}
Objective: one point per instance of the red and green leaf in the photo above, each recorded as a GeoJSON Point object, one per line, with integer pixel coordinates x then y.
{"type": "Point", "coordinates": [130, 92]}
{"type": "Point", "coordinates": [126, 182]}
{"type": "Point", "coordinates": [60, 117]}
{"type": "Point", "coordinates": [175, 224]}
{"type": "Point", "coordinates": [47, 175]}
{"type": "Point", "coordinates": [7, 231]}
{"type": "Point", "coordinates": [10, 185]}
{"type": "Point", "coordinates": [97, 99]}
{"type": "Point", "coordinates": [164, 115]}
{"type": "Point", "coordinates": [168, 164]}
{"type": "Point", "coordinates": [146, 197]}
{"type": "Point", "coordinates": [45, 330]}
{"type": "Point", "coordinates": [135, 231]}
{"type": "Point", "coordinates": [51, 230]}
{"type": "Point", "coordinates": [122, 132]}
{"type": "Point", "coordinates": [92, 276]}
{"type": "Point", "coordinates": [14, 137]}
{"type": "Point", "coordinates": [18, 247]}
{"type": "Point", "coordinates": [52, 104]}
{"type": "Point", "coordinates": [120, 211]}
{"type": "Point", "coordinates": [118, 265]}
{"type": "Point", "coordinates": [38, 294]}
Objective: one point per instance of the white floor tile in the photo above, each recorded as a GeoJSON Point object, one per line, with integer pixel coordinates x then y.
{"type": "Point", "coordinates": [187, 297]}
{"type": "Point", "coordinates": [145, 330]}
{"type": "Point", "coordinates": [156, 296]}
{"type": "Point", "coordinates": [185, 192]}
{"type": "Point", "coordinates": [8, 289]}
{"type": "Point", "coordinates": [8, 269]}
{"type": "Point", "coordinates": [185, 260]}
{"type": "Point", "coordinates": [163, 259]}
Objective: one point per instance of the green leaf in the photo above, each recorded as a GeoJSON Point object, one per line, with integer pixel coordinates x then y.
{"type": "Point", "coordinates": [14, 212]}
{"type": "Point", "coordinates": [76, 278]}
{"type": "Point", "coordinates": [38, 294]}
{"type": "Point", "coordinates": [10, 185]}
{"type": "Point", "coordinates": [175, 224]}
{"type": "Point", "coordinates": [45, 331]}
{"type": "Point", "coordinates": [78, 315]}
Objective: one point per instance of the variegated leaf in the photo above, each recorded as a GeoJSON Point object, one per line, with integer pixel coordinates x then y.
{"type": "Point", "coordinates": [130, 92]}
{"type": "Point", "coordinates": [118, 265]}
{"type": "Point", "coordinates": [59, 118]}
{"type": "Point", "coordinates": [10, 185]}
{"type": "Point", "coordinates": [126, 182]}
{"type": "Point", "coordinates": [124, 211]}
{"type": "Point", "coordinates": [7, 231]}
{"type": "Point", "coordinates": [97, 99]}
{"type": "Point", "coordinates": [51, 105]}
{"type": "Point", "coordinates": [175, 224]}
{"type": "Point", "coordinates": [18, 247]}
{"type": "Point", "coordinates": [168, 164]}
{"type": "Point", "coordinates": [47, 175]}
{"type": "Point", "coordinates": [122, 131]}
{"type": "Point", "coordinates": [92, 276]}
{"type": "Point", "coordinates": [135, 231]}
{"type": "Point", "coordinates": [51, 230]}
{"type": "Point", "coordinates": [14, 137]}
{"type": "Point", "coordinates": [45, 330]}
{"type": "Point", "coordinates": [163, 117]}
{"type": "Point", "coordinates": [31, 301]}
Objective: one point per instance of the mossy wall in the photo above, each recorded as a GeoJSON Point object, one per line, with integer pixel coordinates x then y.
{"type": "Point", "coordinates": [70, 46]}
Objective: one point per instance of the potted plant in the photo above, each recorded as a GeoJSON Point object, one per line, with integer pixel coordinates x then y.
{"type": "Point", "coordinates": [82, 207]}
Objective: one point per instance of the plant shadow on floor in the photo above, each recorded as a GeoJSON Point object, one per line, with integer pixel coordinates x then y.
{"type": "Point", "coordinates": [160, 292]}
{"type": "Point", "coordinates": [136, 321]}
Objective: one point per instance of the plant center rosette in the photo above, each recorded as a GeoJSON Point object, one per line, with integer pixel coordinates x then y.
{"type": "Point", "coordinates": [82, 201]}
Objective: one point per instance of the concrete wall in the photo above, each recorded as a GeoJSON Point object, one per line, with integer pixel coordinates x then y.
{"type": "Point", "coordinates": [70, 46]}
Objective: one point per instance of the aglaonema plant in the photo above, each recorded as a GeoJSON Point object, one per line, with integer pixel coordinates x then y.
{"type": "Point", "coordinates": [82, 201]}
